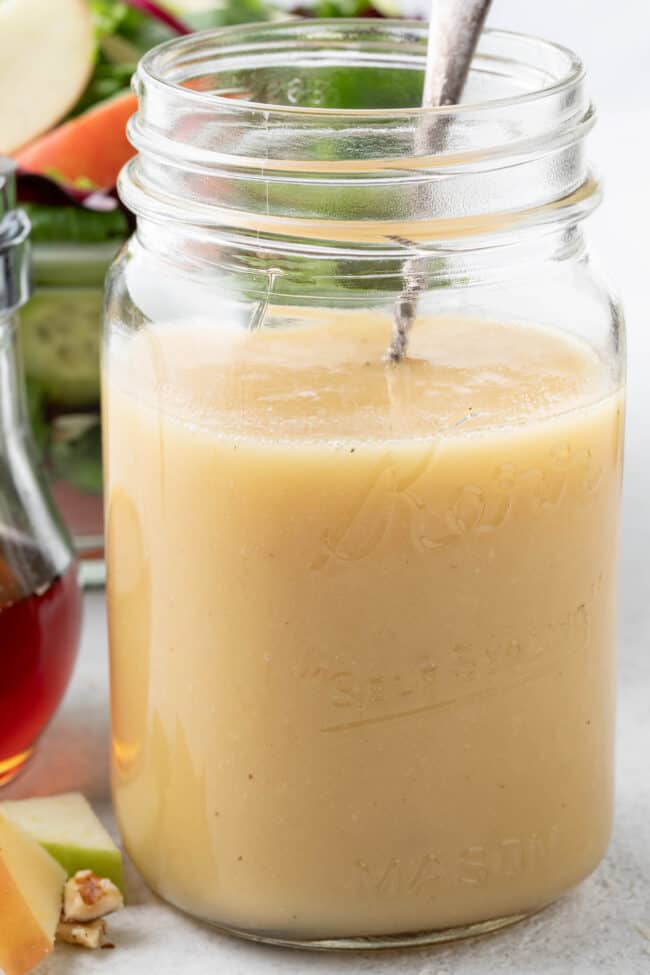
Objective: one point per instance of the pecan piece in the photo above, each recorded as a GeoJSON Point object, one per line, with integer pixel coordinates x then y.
{"type": "Point", "coordinates": [87, 896]}
{"type": "Point", "coordinates": [92, 934]}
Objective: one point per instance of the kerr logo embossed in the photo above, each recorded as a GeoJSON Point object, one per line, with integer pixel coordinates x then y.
{"type": "Point", "coordinates": [409, 499]}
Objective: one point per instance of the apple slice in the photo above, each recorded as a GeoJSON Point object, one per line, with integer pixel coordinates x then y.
{"type": "Point", "coordinates": [69, 830]}
{"type": "Point", "coordinates": [46, 58]}
{"type": "Point", "coordinates": [31, 891]}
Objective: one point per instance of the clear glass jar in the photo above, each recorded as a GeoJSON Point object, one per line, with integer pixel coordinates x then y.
{"type": "Point", "coordinates": [40, 599]}
{"type": "Point", "coordinates": [361, 612]}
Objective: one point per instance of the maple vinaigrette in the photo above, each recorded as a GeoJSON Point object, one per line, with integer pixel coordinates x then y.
{"type": "Point", "coordinates": [363, 400]}
{"type": "Point", "coordinates": [39, 634]}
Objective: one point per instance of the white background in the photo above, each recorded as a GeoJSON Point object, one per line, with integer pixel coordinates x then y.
{"type": "Point", "coordinates": [612, 36]}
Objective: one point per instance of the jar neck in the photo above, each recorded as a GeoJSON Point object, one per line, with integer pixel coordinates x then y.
{"type": "Point", "coordinates": [261, 269]}
{"type": "Point", "coordinates": [234, 140]}
{"type": "Point", "coordinates": [14, 416]}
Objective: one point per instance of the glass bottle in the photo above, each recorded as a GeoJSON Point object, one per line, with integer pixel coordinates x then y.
{"type": "Point", "coordinates": [60, 331]}
{"type": "Point", "coordinates": [40, 600]}
{"type": "Point", "coordinates": [361, 612]}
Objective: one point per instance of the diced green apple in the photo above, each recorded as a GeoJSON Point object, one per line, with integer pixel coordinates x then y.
{"type": "Point", "coordinates": [69, 830]}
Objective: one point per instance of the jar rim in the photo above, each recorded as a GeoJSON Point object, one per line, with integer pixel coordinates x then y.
{"type": "Point", "coordinates": [301, 172]}
{"type": "Point", "coordinates": [154, 68]}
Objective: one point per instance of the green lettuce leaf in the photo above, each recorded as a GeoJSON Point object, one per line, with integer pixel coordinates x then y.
{"type": "Point", "coordinates": [75, 224]}
{"type": "Point", "coordinates": [78, 460]}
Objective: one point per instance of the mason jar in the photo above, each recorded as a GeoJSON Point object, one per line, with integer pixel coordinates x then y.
{"type": "Point", "coordinates": [363, 399]}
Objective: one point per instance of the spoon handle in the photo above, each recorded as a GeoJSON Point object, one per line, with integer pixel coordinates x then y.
{"type": "Point", "coordinates": [454, 30]}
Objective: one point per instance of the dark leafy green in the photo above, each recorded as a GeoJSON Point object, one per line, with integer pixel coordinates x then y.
{"type": "Point", "coordinates": [36, 407]}
{"type": "Point", "coordinates": [137, 31]}
{"type": "Point", "coordinates": [47, 190]}
{"type": "Point", "coordinates": [114, 17]}
{"type": "Point", "coordinates": [340, 8]}
{"type": "Point", "coordinates": [79, 460]}
{"type": "Point", "coordinates": [107, 81]}
{"type": "Point", "coordinates": [230, 13]}
{"type": "Point", "coordinates": [108, 15]}
{"type": "Point", "coordinates": [161, 13]}
{"type": "Point", "coordinates": [75, 224]}
{"type": "Point", "coordinates": [349, 87]}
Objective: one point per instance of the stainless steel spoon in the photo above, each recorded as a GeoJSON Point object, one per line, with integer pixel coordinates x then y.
{"type": "Point", "coordinates": [454, 30]}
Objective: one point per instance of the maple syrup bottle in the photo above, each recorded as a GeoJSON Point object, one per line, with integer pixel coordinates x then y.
{"type": "Point", "coordinates": [40, 599]}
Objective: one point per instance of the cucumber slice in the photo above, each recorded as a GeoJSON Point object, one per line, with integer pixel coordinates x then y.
{"type": "Point", "coordinates": [60, 333]}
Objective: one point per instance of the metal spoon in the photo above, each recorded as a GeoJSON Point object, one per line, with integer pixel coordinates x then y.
{"type": "Point", "coordinates": [454, 30]}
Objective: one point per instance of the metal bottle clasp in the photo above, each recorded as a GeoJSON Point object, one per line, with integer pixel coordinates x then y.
{"type": "Point", "coordinates": [15, 279]}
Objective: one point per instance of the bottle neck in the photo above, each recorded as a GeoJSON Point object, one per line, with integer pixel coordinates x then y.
{"type": "Point", "coordinates": [14, 416]}
{"type": "Point", "coordinates": [34, 548]}
{"type": "Point", "coordinates": [14, 256]}
{"type": "Point", "coordinates": [32, 542]}
{"type": "Point", "coordinates": [15, 289]}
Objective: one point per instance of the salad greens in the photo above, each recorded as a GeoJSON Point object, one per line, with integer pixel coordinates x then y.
{"type": "Point", "coordinates": [339, 8]}
{"type": "Point", "coordinates": [61, 323]}
{"type": "Point", "coordinates": [125, 33]}
{"type": "Point", "coordinates": [77, 458]}
{"type": "Point", "coordinates": [70, 224]}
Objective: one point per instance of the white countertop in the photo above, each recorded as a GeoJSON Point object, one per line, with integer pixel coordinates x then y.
{"type": "Point", "coordinates": [602, 928]}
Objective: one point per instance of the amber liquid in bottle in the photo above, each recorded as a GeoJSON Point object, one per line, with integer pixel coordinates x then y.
{"type": "Point", "coordinates": [39, 634]}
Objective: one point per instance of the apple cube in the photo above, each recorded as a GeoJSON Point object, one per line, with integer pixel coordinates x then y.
{"type": "Point", "coordinates": [31, 890]}
{"type": "Point", "coordinates": [69, 830]}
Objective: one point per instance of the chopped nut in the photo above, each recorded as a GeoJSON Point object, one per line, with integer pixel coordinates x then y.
{"type": "Point", "coordinates": [92, 934]}
{"type": "Point", "coordinates": [87, 896]}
